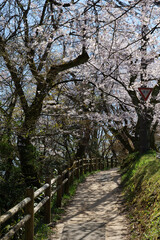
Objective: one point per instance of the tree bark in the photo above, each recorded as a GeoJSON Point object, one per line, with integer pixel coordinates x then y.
{"type": "Point", "coordinates": [144, 143]}
{"type": "Point", "coordinates": [83, 143]}
{"type": "Point", "coordinates": [143, 131]}
{"type": "Point", "coordinates": [27, 156]}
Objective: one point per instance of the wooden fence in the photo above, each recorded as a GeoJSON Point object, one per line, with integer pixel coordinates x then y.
{"type": "Point", "coordinates": [58, 185]}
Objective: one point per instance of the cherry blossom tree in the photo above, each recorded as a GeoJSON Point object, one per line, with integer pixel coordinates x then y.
{"type": "Point", "coordinates": [112, 47]}
{"type": "Point", "coordinates": [32, 36]}
{"type": "Point", "coordinates": [125, 59]}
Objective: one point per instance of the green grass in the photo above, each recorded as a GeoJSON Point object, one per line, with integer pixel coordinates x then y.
{"type": "Point", "coordinates": [141, 181]}
{"type": "Point", "coordinates": [43, 231]}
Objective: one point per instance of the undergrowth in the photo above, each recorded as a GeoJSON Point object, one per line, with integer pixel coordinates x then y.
{"type": "Point", "coordinates": [141, 181]}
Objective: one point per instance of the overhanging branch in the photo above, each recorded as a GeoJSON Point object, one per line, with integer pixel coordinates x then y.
{"type": "Point", "coordinates": [55, 69]}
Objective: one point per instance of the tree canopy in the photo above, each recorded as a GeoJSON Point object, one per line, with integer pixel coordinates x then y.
{"type": "Point", "coordinates": [69, 79]}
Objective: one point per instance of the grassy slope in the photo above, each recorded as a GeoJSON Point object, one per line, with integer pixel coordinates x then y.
{"type": "Point", "coordinates": [141, 179]}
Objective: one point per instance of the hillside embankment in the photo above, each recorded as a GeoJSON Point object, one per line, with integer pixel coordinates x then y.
{"type": "Point", "coordinates": [141, 182]}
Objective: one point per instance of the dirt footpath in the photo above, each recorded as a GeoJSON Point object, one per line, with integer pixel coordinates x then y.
{"type": "Point", "coordinates": [96, 212]}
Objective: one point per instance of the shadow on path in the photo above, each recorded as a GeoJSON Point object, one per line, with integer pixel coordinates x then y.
{"type": "Point", "coordinates": [95, 212]}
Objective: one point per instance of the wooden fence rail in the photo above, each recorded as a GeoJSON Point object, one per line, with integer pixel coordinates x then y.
{"type": "Point", "coordinates": [60, 185]}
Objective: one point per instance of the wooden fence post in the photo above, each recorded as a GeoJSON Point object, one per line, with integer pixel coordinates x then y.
{"type": "Point", "coordinates": [90, 165]}
{"type": "Point", "coordinates": [96, 164]}
{"type": "Point", "coordinates": [29, 209]}
{"type": "Point", "coordinates": [111, 162]}
{"type": "Point", "coordinates": [99, 164]}
{"type": "Point", "coordinates": [0, 222]}
{"type": "Point", "coordinates": [87, 165]}
{"type": "Point", "coordinates": [102, 164]}
{"type": "Point", "coordinates": [71, 177]}
{"type": "Point", "coordinates": [107, 163]}
{"type": "Point", "coordinates": [116, 162]}
{"type": "Point", "coordinates": [73, 172]}
{"type": "Point", "coordinates": [77, 171]}
{"type": "Point", "coordinates": [81, 166]}
{"type": "Point", "coordinates": [48, 203]}
{"type": "Point", "coordinates": [63, 187]}
{"type": "Point", "coordinates": [84, 166]}
{"type": "Point", "coordinates": [66, 186]}
{"type": "Point", "coordinates": [59, 191]}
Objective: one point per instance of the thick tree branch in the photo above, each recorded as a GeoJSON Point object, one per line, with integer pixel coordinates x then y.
{"type": "Point", "coordinates": [14, 75]}
{"type": "Point", "coordinates": [55, 69]}
{"type": "Point", "coordinates": [43, 12]}
{"type": "Point", "coordinates": [44, 56]}
{"type": "Point", "coordinates": [30, 54]}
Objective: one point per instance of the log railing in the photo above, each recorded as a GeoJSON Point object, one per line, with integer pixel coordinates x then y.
{"type": "Point", "coordinates": [58, 185]}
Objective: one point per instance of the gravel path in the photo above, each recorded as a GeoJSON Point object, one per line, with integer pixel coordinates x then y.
{"type": "Point", "coordinates": [95, 213]}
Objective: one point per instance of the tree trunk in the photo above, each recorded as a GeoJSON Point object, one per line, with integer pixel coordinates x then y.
{"type": "Point", "coordinates": [144, 142]}
{"type": "Point", "coordinates": [83, 143]}
{"type": "Point", "coordinates": [27, 156]}
{"type": "Point", "coordinates": [124, 140]}
{"type": "Point", "coordinates": [144, 128]}
{"type": "Point", "coordinates": [152, 135]}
